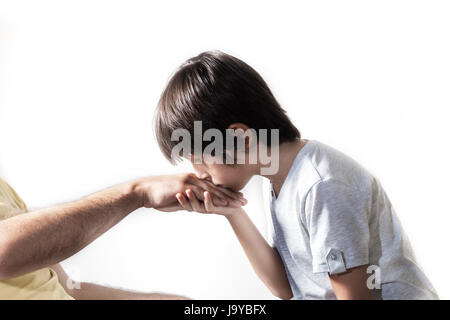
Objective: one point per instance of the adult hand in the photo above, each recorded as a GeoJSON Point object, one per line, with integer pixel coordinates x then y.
{"type": "Point", "coordinates": [159, 192]}
{"type": "Point", "coordinates": [190, 202]}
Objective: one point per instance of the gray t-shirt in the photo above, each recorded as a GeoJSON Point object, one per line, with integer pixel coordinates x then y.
{"type": "Point", "coordinates": [331, 215]}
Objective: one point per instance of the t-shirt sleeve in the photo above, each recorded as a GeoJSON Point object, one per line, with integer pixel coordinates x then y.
{"type": "Point", "coordinates": [5, 210]}
{"type": "Point", "coordinates": [10, 202]}
{"type": "Point", "coordinates": [8, 211]}
{"type": "Point", "coordinates": [337, 221]}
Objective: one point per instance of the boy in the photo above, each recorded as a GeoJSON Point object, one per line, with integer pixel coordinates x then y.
{"type": "Point", "coordinates": [335, 233]}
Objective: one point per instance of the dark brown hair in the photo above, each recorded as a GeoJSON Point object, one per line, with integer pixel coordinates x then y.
{"type": "Point", "coordinates": [218, 89]}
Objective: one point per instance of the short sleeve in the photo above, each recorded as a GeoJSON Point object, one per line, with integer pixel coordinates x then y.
{"type": "Point", "coordinates": [4, 210]}
{"type": "Point", "coordinates": [337, 221]}
{"type": "Point", "coordinates": [10, 202]}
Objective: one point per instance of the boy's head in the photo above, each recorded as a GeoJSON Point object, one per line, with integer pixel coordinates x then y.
{"type": "Point", "coordinates": [223, 93]}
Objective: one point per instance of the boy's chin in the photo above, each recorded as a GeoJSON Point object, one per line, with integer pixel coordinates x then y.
{"type": "Point", "coordinates": [237, 188]}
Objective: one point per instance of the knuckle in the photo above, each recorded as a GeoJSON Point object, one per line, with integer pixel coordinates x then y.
{"type": "Point", "coordinates": [197, 190]}
{"type": "Point", "coordinates": [186, 177]}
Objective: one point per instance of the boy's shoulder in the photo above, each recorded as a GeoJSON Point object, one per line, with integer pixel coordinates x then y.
{"type": "Point", "coordinates": [319, 163]}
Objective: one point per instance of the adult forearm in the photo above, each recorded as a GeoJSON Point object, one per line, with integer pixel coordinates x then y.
{"type": "Point", "coordinates": [265, 260]}
{"type": "Point", "coordinates": [44, 237]}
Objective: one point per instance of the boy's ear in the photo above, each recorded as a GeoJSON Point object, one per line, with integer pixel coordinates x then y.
{"type": "Point", "coordinates": [238, 125]}
{"type": "Point", "coordinates": [243, 127]}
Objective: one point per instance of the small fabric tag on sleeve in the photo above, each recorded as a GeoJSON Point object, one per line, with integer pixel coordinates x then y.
{"type": "Point", "coordinates": [335, 261]}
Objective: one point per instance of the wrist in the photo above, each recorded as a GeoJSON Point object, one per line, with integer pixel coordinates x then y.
{"type": "Point", "coordinates": [232, 216]}
{"type": "Point", "coordinates": [134, 193]}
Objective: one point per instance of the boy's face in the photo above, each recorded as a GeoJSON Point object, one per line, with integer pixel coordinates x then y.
{"type": "Point", "coordinates": [234, 177]}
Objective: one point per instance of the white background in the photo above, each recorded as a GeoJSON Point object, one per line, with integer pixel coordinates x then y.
{"type": "Point", "coordinates": [79, 82]}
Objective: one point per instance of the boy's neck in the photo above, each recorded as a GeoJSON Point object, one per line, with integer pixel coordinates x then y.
{"type": "Point", "coordinates": [288, 152]}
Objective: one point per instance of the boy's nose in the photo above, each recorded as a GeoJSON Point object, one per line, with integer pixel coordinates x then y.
{"type": "Point", "coordinates": [203, 175]}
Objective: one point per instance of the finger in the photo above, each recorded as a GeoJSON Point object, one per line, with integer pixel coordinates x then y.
{"type": "Point", "coordinates": [215, 192]}
{"type": "Point", "coordinates": [211, 187]}
{"type": "Point", "coordinates": [219, 192]}
{"type": "Point", "coordinates": [236, 198]}
{"type": "Point", "coordinates": [220, 202]}
{"type": "Point", "coordinates": [209, 206]}
{"type": "Point", "coordinates": [195, 204]}
{"type": "Point", "coordinates": [234, 203]}
{"type": "Point", "coordinates": [198, 191]}
{"type": "Point", "coordinates": [237, 204]}
{"type": "Point", "coordinates": [183, 202]}
{"type": "Point", "coordinates": [228, 192]}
